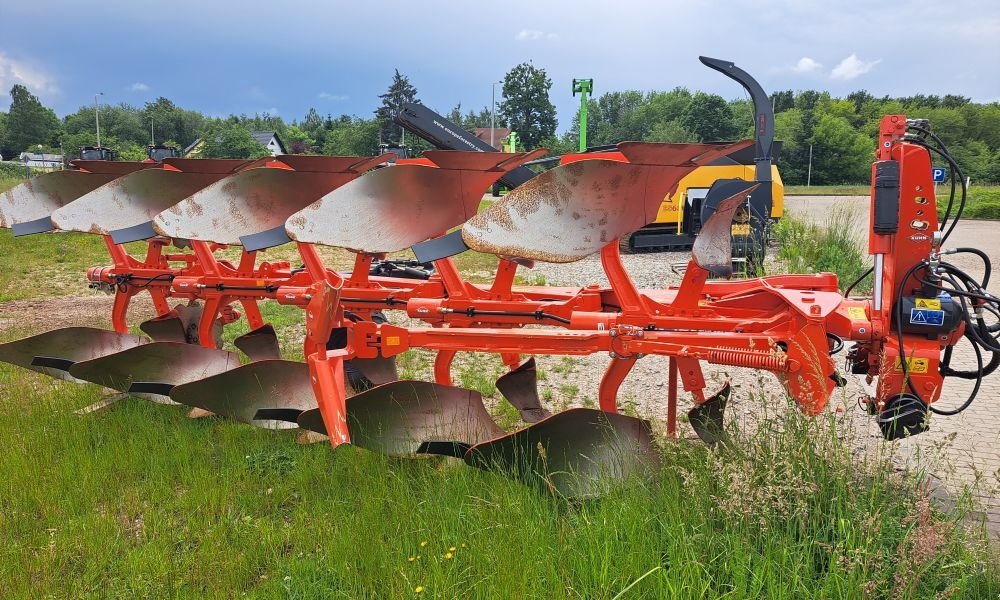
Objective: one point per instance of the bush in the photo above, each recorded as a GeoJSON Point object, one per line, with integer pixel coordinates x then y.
{"type": "Point", "coordinates": [833, 247]}
{"type": "Point", "coordinates": [11, 170]}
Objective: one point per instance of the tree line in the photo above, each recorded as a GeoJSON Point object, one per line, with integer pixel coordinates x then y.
{"type": "Point", "coordinates": [839, 133]}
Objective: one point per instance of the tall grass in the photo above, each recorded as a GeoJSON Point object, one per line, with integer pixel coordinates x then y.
{"type": "Point", "coordinates": [139, 502]}
{"type": "Point", "coordinates": [832, 246]}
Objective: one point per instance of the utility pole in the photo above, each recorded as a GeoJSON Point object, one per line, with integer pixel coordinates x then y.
{"type": "Point", "coordinates": [97, 117]}
{"type": "Point", "coordinates": [809, 173]}
{"type": "Point", "coordinates": [493, 112]}
{"type": "Point", "coordinates": [584, 87]}
{"type": "Point", "coordinates": [152, 138]}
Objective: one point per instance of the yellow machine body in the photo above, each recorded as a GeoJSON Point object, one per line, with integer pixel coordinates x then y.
{"type": "Point", "coordinates": [698, 181]}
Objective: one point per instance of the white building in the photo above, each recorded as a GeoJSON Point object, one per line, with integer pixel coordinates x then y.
{"type": "Point", "coordinates": [45, 161]}
{"type": "Point", "coordinates": [270, 140]}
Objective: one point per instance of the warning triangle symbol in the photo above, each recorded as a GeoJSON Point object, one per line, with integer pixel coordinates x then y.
{"type": "Point", "coordinates": [918, 317]}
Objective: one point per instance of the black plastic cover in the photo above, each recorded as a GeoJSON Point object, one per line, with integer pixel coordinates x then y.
{"type": "Point", "coordinates": [886, 197]}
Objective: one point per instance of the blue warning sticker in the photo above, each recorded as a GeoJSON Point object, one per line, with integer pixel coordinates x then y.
{"type": "Point", "coordinates": [926, 316]}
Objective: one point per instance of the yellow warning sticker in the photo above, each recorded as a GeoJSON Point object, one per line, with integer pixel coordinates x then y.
{"type": "Point", "coordinates": [741, 229]}
{"type": "Point", "coordinates": [932, 303]}
{"type": "Point", "coordinates": [856, 313]}
{"type": "Point", "coordinates": [914, 365]}
{"type": "Point", "coordinates": [392, 340]}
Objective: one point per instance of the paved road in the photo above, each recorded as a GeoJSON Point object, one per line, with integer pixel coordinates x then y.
{"type": "Point", "coordinates": [967, 446]}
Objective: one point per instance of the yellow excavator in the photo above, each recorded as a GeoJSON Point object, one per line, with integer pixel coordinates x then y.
{"type": "Point", "coordinates": [679, 218]}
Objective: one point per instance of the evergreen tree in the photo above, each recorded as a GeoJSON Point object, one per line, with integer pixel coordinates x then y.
{"type": "Point", "coordinates": [399, 93]}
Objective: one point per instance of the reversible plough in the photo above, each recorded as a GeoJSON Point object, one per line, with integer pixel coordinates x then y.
{"type": "Point", "coordinates": [188, 210]}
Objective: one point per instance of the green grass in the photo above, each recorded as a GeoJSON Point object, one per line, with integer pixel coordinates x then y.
{"type": "Point", "coordinates": [981, 203]}
{"type": "Point", "coordinates": [827, 190]}
{"type": "Point", "coordinates": [7, 182]}
{"type": "Point", "coordinates": [140, 502]}
{"type": "Point", "coordinates": [831, 246]}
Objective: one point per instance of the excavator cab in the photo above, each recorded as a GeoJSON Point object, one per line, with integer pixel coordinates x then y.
{"type": "Point", "coordinates": [158, 152]}
{"type": "Point", "coordinates": [96, 153]}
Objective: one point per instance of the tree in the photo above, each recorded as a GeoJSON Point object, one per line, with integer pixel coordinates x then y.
{"type": "Point", "coordinates": [123, 122]}
{"type": "Point", "coordinates": [790, 129]}
{"type": "Point", "coordinates": [3, 128]}
{"type": "Point", "coordinates": [525, 107]}
{"type": "Point", "coordinates": [840, 153]}
{"type": "Point", "coordinates": [312, 125]}
{"type": "Point", "coordinates": [471, 119]}
{"type": "Point", "coordinates": [298, 140]}
{"type": "Point", "coordinates": [28, 123]}
{"type": "Point", "coordinates": [226, 140]}
{"type": "Point", "coordinates": [709, 117]}
{"type": "Point", "coordinates": [672, 132]}
{"type": "Point", "coordinates": [349, 136]}
{"type": "Point", "coordinates": [782, 101]}
{"type": "Point", "coordinates": [399, 93]}
{"type": "Point", "coordinates": [171, 122]}
{"type": "Point", "coordinates": [614, 117]}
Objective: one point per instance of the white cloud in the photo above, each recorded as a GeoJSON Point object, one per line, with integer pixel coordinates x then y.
{"type": "Point", "coordinates": [336, 97]}
{"type": "Point", "coordinates": [806, 65]}
{"type": "Point", "coordinates": [533, 35]}
{"type": "Point", "coordinates": [138, 87]}
{"type": "Point", "coordinates": [13, 72]}
{"type": "Point", "coordinates": [851, 67]}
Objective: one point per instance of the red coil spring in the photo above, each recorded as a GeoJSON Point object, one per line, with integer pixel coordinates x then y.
{"type": "Point", "coordinates": [741, 358]}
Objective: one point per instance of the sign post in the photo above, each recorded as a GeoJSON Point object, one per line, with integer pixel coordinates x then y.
{"type": "Point", "coordinates": [939, 174]}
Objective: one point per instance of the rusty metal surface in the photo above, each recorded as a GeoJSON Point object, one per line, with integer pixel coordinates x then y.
{"type": "Point", "coordinates": [713, 246]}
{"type": "Point", "coordinates": [73, 344]}
{"type": "Point", "coordinates": [168, 363]}
{"type": "Point", "coordinates": [566, 213]}
{"type": "Point", "coordinates": [238, 394]}
{"type": "Point", "coordinates": [573, 453]}
{"type": "Point", "coordinates": [397, 417]}
{"type": "Point", "coordinates": [113, 167]}
{"type": "Point", "coordinates": [657, 154]}
{"type": "Point", "coordinates": [218, 166]}
{"type": "Point", "coordinates": [393, 208]}
{"type": "Point", "coordinates": [40, 196]}
{"type": "Point", "coordinates": [130, 200]}
{"type": "Point", "coordinates": [520, 388]}
{"type": "Point", "coordinates": [575, 209]}
{"type": "Point", "coordinates": [247, 202]}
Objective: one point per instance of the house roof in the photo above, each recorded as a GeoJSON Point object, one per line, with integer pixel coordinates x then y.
{"type": "Point", "coordinates": [264, 137]}
{"type": "Point", "coordinates": [499, 135]}
{"type": "Point", "coordinates": [41, 157]}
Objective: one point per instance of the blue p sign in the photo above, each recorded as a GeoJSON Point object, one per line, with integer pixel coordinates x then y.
{"type": "Point", "coordinates": [939, 174]}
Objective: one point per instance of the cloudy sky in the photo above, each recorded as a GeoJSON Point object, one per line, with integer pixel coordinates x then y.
{"type": "Point", "coordinates": [246, 56]}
